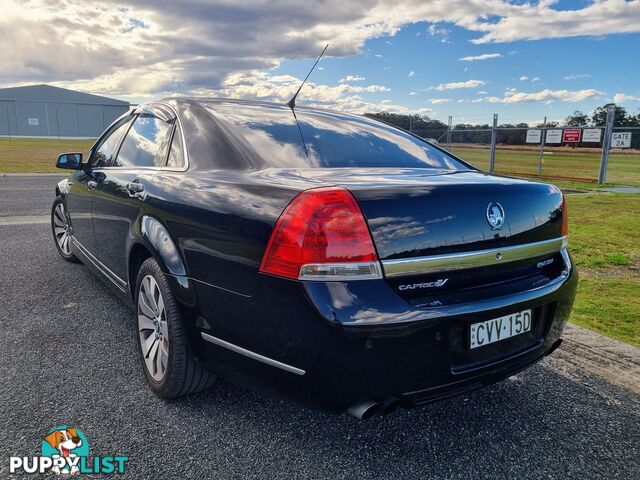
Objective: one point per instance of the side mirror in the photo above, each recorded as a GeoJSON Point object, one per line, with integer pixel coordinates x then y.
{"type": "Point", "coordinates": [70, 161]}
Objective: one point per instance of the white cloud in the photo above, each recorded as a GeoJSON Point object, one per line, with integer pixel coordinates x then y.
{"type": "Point", "coordinates": [622, 97]}
{"type": "Point", "coordinates": [411, 73]}
{"type": "Point", "coordinates": [576, 76]}
{"type": "Point", "coordinates": [456, 85]}
{"type": "Point", "coordinates": [151, 47]}
{"type": "Point", "coordinates": [529, 21]}
{"type": "Point", "coordinates": [438, 101]}
{"type": "Point", "coordinates": [535, 79]}
{"type": "Point", "coordinates": [441, 33]}
{"type": "Point", "coordinates": [524, 78]}
{"type": "Point", "coordinates": [279, 88]}
{"type": "Point", "coordinates": [515, 96]}
{"type": "Point", "coordinates": [484, 56]}
{"type": "Point", "coordinates": [412, 93]}
{"type": "Point", "coordinates": [351, 78]}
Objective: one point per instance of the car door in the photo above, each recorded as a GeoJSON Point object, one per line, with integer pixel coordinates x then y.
{"type": "Point", "coordinates": [121, 194]}
{"type": "Point", "coordinates": [83, 182]}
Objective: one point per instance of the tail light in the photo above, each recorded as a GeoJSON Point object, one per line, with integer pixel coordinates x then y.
{"type": "Point", "coordinates": [565, 219]}
{"type": "Point", "coordinates": [322, 235]}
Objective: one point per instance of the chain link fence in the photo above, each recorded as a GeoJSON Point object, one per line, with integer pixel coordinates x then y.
{"type": "Point", "coordinates": [602, 153]}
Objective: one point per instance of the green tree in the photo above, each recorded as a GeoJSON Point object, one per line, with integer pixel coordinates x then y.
{"type": "Point", "coordinates": [577, 119]}
{"type": "Point", "coordinates": [599, 116]}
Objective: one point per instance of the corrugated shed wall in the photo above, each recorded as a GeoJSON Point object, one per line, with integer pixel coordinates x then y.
{"type": "Point", "coordinates": [51, 119]}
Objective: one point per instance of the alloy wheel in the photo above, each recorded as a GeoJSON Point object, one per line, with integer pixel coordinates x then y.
{"type": "Point", "coordinates": [153, 328]}
{"type": "Point", "coordinates": [61, 229]}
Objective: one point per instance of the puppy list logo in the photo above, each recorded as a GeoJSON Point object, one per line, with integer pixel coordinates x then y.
{"type": "Point", "coordinates": [65, 451]}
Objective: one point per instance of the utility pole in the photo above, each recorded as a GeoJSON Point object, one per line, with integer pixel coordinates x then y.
{"type": "Point", "coordinates": [606, 144]}
{"type": "Point", "coordinates": [542, 142]}
{"type": "Point", "coordinates": [449, 134]}
{"type": "Point", "coordinates": [492, 155]}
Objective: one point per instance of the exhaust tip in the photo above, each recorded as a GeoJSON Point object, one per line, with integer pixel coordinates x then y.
{"type": "Point", "coordinates": [364, 410]}
{"type": "Point", "coordinates": [389, 405]}
{"type": "Point", "coordinates": [554, 347]}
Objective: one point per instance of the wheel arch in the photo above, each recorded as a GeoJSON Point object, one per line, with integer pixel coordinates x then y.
{"type": "Point", "coordinates": [155, 241]}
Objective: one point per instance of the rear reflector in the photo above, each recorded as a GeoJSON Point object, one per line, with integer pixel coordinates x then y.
{"type": "Point", "coordinates": [322, 235]}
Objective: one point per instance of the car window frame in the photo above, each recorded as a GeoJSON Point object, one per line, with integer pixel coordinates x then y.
{"type": "Point", "coordinates": [105, 136]}
{"type": "Point", "coordinates": [159, 110]}
{"type": "Point", "coordinates": [151, 112]}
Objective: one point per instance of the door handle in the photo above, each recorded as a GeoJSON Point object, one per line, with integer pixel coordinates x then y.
{"type": "Point", "coordinates": [134, 188]}
{"type": "Point", "coordinates": [91, 184]}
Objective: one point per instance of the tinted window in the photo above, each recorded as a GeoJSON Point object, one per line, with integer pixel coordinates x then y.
{"type": "Point", "coordinates": [146, 143]}
{"type": "Point", "coordinates": [105, 152]}
{"type": "Point", "coordinates": [176, 157]}
{"type": "Point", "coordinates": [268, 136]}
{"type": "Point", "coordinates": [333, 140]}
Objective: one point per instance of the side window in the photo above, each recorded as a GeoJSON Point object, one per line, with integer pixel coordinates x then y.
{"type": "Point", "coordinates": [104, 153]}
{"type": "Point", "coordinates": [146, 143]}
{"type": "Point", "coordinates": [176, 155]}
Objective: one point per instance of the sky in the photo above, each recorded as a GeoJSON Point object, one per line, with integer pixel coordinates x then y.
{"type": "Point", "coordinates": [466, 59]}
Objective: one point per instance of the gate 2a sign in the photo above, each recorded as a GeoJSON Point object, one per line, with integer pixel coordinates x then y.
{"type": "Point", "coordinates": [571, 135]}
{"type": "Point", "coordinates": [621, 140]}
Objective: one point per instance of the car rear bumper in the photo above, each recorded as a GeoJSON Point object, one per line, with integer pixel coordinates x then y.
{"type": "Point", "coordinates": [330, 345]}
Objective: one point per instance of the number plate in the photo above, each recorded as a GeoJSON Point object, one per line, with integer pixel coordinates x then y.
{"type": "Point", "coordinates": [496, 329]}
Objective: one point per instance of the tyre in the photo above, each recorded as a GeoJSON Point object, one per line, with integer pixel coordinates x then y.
{"type": "Point", "coordinates": [61, 230]}
{"type": "Point", "coordinates": [169, 365]}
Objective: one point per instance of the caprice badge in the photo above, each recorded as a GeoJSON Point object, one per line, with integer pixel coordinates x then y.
{"type": "Point", "coordinates": [495, 215]}
{"type": "Point", "coordinates": [412, 286]}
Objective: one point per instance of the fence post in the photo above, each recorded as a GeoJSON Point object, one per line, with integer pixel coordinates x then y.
{"type": "Point", "coordinates": [606, 143]}
{"type": "Point", "coordinates": [492, 155]}
{"type": "Point", "coordinates": [449, 134]}
{"type": "Point", "coordinates": [542, 142]}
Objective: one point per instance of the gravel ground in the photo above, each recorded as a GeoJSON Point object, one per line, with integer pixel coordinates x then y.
{"type": "Point", "coordinates": [69, 358]}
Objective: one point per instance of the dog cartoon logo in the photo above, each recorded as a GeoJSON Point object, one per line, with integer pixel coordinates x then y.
{"type": "Point", "coordinates": [66, 443]}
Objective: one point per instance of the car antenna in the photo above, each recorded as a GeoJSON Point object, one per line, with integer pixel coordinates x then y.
{"type": "Point", "coordinates": [292, 103]}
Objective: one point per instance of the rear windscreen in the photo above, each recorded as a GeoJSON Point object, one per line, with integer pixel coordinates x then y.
{"type": "Point", "coordinates": [346, 141]}
{"type": "Point", "coordinates": [270, 137]}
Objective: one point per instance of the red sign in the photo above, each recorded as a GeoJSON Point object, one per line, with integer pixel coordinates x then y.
{"type": "Point", "coordinates": [571, 135]}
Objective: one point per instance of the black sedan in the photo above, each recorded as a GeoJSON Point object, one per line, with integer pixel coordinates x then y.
{"type": "Point", "coordinates": [329, 258]}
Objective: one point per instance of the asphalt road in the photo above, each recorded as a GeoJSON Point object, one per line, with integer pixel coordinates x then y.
{"type": "Point", "coordinates": [69, 358]}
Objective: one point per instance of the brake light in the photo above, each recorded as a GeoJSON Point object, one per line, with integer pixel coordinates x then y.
{"type": "Point", "coordinates": [565, 218]}
{"type": "Point", "coordinates": [322, 235]}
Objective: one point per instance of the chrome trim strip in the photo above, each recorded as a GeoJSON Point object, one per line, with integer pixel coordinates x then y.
{"type": "Point", "coordinates": [115, 279]}
{"type": "Point", "coordinates": [479, 258]}
{"type": "Point", "coordinates": [250, 354]}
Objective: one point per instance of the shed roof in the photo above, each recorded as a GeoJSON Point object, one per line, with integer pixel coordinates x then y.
{"type": "Point", "coordinates": [49, 93]}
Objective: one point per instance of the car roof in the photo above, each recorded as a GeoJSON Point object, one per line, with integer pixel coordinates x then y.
{"type": "Point", "coordinates": [212, 101]}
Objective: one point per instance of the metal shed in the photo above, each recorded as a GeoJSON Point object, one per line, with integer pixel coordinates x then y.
{"type": "Point", "coordinates": [47, 111]}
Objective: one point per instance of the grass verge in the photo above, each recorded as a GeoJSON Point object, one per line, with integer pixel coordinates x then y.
{"type": "Point", "coordinates": [603, 240]}
{"type": "Point", "coordinates": [31, 155]}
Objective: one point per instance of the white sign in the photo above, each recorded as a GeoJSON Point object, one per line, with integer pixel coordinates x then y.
{"type": "Point", "coordinates": [534, 136]}
{"type": "Point", "coordinates": [34, 121]}
{"type": "Point", "coordinates": [621, 140]}
{"type": "Point", "coordinates": [591, 135]}
{"type": "Point", "coordinates": [554, 136]}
